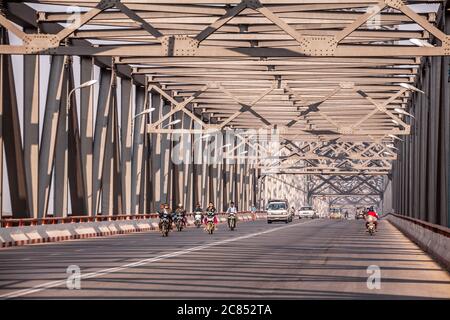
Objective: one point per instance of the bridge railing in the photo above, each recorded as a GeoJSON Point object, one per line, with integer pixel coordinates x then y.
{"type": "Point", "coordinates": [11, 222]}
{"type": "Point", "coordinates": [427, 225]}
{"type": "Point", "coordinates": [430, 237]}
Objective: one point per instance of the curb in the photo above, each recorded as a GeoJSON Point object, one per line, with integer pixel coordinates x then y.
{"type": "Point", "coordinates": [98, 234]}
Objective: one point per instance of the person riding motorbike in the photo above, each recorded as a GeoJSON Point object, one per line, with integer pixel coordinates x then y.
{"type": "Point", "coordinates": [181, 212]}
{"type": "Point", "coordinates": [198, 214]}
{"type": "Point", "coordinates": [232, 211]}
{"type": "Point", "coordinates": [164, 213]}
{"type": "Point", "coordinates": [211, 213]}
{"type": "Point", "coordinates": [292, 212]}
{"type": "Point", "coordinates": [167, 211]}
{"type": "Point", "coordinates": [371, 215]}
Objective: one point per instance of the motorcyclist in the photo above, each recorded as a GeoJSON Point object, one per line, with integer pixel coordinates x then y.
{"type": "Point", "coordinates": [372, 215]}
{"type": "Point", "coordinates": [167, 211]}
{"type": "Point", "coordinates": [198, 210]}
{"type": "Point", "coordinates": [365, 212]}
{"type": "Point", "coordinates": [211, 213]}
{"type": "Point", "coordinates": [181, 212]}
{"type": "Point", "coordinates": [163, 213]}
{"type": "Point", "coordinates": [232, 211]}
{"type": "Point", "coordinates": [292, 212]}
{"type": "Point", "coordinates": [161, 210]}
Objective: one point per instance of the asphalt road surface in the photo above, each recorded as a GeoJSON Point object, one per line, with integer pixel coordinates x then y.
{"type": "Point", "coordinates": [307, 259]}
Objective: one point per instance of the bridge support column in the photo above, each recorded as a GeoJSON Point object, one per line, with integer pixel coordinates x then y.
{"type": "Point", "coordinates": [12, 138]}
{"type": "Point", "coordinates": [60, 199]}
{"type": "Point", "coordinates": [163, 154]}
{"type": "Point", "coordinates": [137, 169]}
{"type": "Point", "coordinates": [31, 91]}
{"type": "Point", "coordinates": [126, 104]}
{"type": "Point", "coordinates": [48, 140]}
{"type": "Point", "coordinates": [111, 180]}
{"type": "Point", "coordinates": [87, 131]}
{"type": "Point", "coordinates": [2, 102]}
{"type": "Point", "coordinates": [197, 158]}
{"type": "Point", "coordinates": [180, 159]}
{"type": "Point", "coordinates": [101, 126]}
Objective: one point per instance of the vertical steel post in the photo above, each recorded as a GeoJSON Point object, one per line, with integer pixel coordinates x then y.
{"type": "Point", "coordinates": [12, 140]}
{"type": "Point", "coordinates": [126, 142]}
{"type": "Point", "coordinates": [48, 139]}
{"type": "Point", "coordinates": [60, 196]}
{"type": "Point", "coordinates": [87, 131]}
{"type": "Point", "coordinates": [31, 129]}
{"type": "Point", "coordinates": [155, 145]}
{"type": "Point", "coordinates": [138, 147]}
{"type": "Point", "coordinates": [101, 126]}
{"type": "Point", "coordinates": [2, 101]}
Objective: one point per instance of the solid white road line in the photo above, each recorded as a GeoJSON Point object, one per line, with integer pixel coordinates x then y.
{"type": "Point", "coordinates": [57, 283]}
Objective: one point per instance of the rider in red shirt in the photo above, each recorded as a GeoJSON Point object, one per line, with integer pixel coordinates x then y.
{"type": "Point", "coordinates": [372, 213]}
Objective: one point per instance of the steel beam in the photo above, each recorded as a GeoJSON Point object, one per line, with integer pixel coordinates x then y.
{"type": "Point", "coordinates": [87, 131]}
{"type": "Point", "coordinates": [61, 183]}
{"type": "Point", "coordinates": [49, 131]}
{"type": "Point", "coordinates": [101, 126]}
{"type": "Point", "coordinates": [126, 105]}
{"type": "Point", "coordinates": [31, 130]}
{"type": "Point", "coordinates": [137, 167]}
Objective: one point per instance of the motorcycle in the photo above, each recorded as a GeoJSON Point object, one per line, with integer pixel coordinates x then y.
{"type": "Point", "coordinates": [198, 220]}
{"type": "Point", "coordinates": [164, 227]}
{"type": "Point", "coordinates": [371, 228]}
{"type": "Point", "coordinates": [210, 226]}
{"type": "Point", "coordinates": [231, 222]}
{"type": "Point", "coordinates": [371, 225]}
{"type": "Point", "coordinates": [179, 223]}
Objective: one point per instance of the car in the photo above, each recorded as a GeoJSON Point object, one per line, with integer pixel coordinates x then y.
{"type": "Point", "coordinates": [278, 210]}
{"type": "Point", "coordinates": [335, 213]}
{"type": "Point", "coordinates": [359, 213]}
{"type": "Point", "coordinates": [307, 212]}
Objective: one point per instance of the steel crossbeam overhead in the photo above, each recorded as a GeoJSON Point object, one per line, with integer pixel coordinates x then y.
{"type": "Point", "coordinates": [354, 190]}
{"type": "Point", "coordinates": [170, 29]}
{"type": "Point", "coordinates": [330, 81]}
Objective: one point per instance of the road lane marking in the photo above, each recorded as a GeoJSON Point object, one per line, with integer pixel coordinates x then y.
{"type": "Point", "coordinates": [57, 283]}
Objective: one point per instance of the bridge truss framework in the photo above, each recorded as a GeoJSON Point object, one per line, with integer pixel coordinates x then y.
{"type": "Point", "coordinates": [328, 81]}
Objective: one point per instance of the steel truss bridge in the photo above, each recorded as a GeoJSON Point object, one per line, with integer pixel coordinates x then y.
{"type": "Point", "coordinates": [328, 82]}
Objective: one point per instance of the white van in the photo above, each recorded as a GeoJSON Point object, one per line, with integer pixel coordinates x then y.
{"type": "Point", "coordinates": [278, 210]}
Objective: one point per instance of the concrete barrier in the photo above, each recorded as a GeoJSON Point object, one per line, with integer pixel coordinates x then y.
{"type": "Point", "coordinates": [433, 239]}
{"type": "Point", "coordinates": [17, 236]}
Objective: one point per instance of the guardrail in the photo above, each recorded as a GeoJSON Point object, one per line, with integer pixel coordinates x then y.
{"type": "Point", "coordinates": [11, 222]}
{"type": "Point", "coordinates": [432, 238]}
{"type": "Point", "coordinates": [427, 225]}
